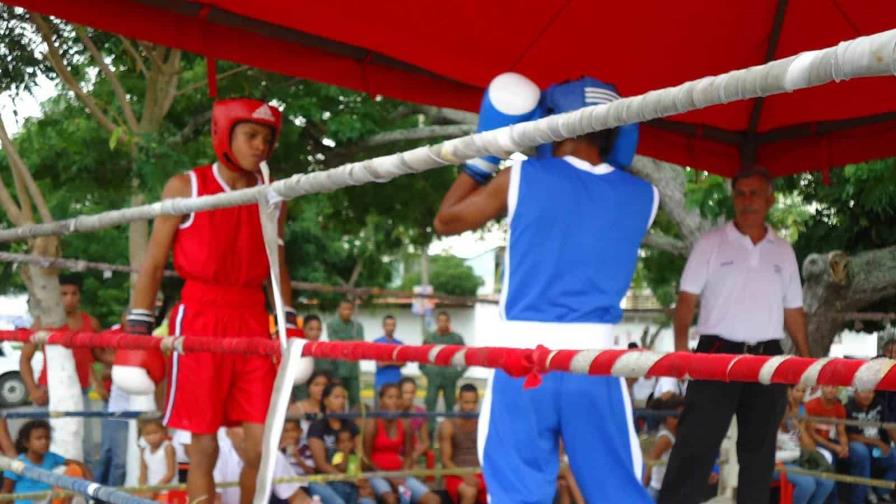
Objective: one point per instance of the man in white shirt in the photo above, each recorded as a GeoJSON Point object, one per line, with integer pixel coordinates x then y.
{"type": "Point", "coordinates": [747, 283]}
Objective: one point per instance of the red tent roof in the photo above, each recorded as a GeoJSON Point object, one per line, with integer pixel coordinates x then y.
{"type": "Point", "coordinates": [444, 53]}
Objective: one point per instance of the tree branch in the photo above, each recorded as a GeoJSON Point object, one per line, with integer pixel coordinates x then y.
{"type": "Point", "coordinates": [117, 88]}
{"type": "Point", "coordinates": [58, 65]}
{"type": "Point", "coordinates": [6, 201]}
{"type": "Point", "coordinates": [149, 49]}
{"type": "Point", "coordinates": [17, 163]}
{"type": "Point", "coordinates": [660, 241]}
{"type": "Point", "coordinates": [132, 51]}
{"type": "Point", "coordinates": [222, 75]}
{"type": "Point", "coordinates": [356, 272]}
{"type": "Point", "coordinates": [451, 115]}
{"type": "Point", "coordinates": [422, 133]}
{"type": "Point", "coordinates": [21, 192]}
{"type": "Point", "coordinates": [193, 124]}
{"type": "Point", "coordinates": [670, 180]}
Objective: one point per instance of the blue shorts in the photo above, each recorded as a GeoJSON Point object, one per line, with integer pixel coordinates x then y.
{"type": "Point", "coordinates": [520, 430]}
{"type": "Point", "coordinates": [415, 488]}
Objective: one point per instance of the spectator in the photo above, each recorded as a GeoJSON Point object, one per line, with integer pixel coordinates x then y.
{"type": "Point", "coordinates": [795, 447]}
{"type": "Point", "coordinates": [387, 372]}
{"type": "Point", "coordinates": [417, 424]}
{"type": "Point", "coordinates": [441, 378]}
{"type": "Point", "coordinates": [158, 464]}
{"type": "Point", "coordinates": [665, 440]}
{"type": "Point", "coordinates": [747, 282]}
{"type": "Point", "coordinates": [830, 438]}
{"type": "Point", "coordinates": [345, 459]}
{"type": "Point", "coordinates": [33, 446]}
{"type": "Point", "coordinates": [568, 491]}
{"type": "Point", "coordinates": [229, 465]}
{"type": "Point", "coordinates": [888, 349]}
{"type": "Point", "coordinates": [111, 466]}
{"type": "Point", "coordinates": [294, 445]}
{"type": "Point", "coordinates": [457, 439]}
{"type": "Point", "coordinates": [343, 328]}
{"type": "Point", "coordinates": [385, 439]}
{"type": "Point", "coordinates": [76, 320]}
{"type": "Point", "coordinates": [869, 446]}
{"type": "Point", "coordinates": [667, 387]}
{"type": "Point", "coordinates": [311, 405]}
{"type": "Point", "coordinates": [322, 436]}
{"type": "Point", "coordinates": [7, 448]}
{"type": "Point", "coordinates": [312, 329]}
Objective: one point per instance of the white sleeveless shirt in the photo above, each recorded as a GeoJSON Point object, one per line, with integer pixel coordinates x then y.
{"type": "Point", "coordinates": [156, 463]}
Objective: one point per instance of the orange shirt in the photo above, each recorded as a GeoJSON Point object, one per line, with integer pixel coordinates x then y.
{"type": "Point", "coordinates": [83, 357]}
{"type": "Point", "coordinates": [816, 407]}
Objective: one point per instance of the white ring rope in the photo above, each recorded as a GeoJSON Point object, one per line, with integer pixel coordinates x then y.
{"type": "Point", "coordinates": [873, 55]}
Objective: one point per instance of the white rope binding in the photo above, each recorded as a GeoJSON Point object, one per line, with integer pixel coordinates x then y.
{"type": "Point", "coordinates": [870, 56]}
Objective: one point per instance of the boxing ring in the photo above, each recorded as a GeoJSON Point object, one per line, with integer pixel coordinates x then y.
{"type": "Point", "coordinates": [868, 56]}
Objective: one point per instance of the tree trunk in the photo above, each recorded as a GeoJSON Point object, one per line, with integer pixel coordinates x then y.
{"type": "Point", "coordinates": [835, 283]}
{"type": "Point", "coordinates": [62, 377]}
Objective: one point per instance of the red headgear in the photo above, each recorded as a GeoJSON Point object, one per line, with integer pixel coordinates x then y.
{"type": "Point", "coordinates": [226, 114]}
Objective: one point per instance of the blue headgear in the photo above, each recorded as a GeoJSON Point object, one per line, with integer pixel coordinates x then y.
{"type": "Point", "coordinates": [584, 92]}
{"type": "Point", "coordinates": [512, 98]}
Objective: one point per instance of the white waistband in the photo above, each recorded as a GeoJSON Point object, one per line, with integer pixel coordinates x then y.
{"type": "Point", "coordinates": [554, 335]}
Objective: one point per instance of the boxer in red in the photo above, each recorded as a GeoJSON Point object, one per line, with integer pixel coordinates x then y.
{"type": "Point", "coordinates": [221, 256]}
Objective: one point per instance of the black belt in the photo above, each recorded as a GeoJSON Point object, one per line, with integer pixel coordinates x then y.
{"type": "Point", "coordinates": [710, 343]}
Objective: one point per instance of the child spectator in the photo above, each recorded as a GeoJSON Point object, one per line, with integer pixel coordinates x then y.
{"type": "Point", "coordinates": [869, 447]}
{"type": "Point", "coordinates": [830, 438]}
{"type": "Point", "coordinates": [665, 439]}
{"type": "Point", "coordinates": [33, 446]}
{"type": "Point", "coordinates": [231, 443]}
{"type": "Point", "coordinates": [795, 448]}
{"type": "Point", "coordinates": [294, 446]}
{"type": "Point", "coordinates": [322, 435]}
{"type": "Point", "coordinates": [418, 424]}
{"type": "Point", "coordinates": [345, 459]}
{"type": "Point", "coordinates": [158, 463]}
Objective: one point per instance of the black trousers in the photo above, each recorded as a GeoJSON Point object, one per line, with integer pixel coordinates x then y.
{"type": "Point", "coordinates": [704, 422]}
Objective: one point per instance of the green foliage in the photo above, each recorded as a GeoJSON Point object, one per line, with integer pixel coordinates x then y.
{"type": "Point", "coordinates": [20, 65]}
{"type": "Point", "coordinates": [855, 212]}
{"type": "Point", "coordinates": [447, 275]}
{"type": "Point", "coordinates": [82, 168]}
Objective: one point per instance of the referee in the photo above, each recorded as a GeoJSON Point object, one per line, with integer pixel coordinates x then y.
{"type": "Point", "coordinates": [746, 281]}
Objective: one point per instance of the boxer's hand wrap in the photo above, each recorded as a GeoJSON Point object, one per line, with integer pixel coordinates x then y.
{"type": "Point", "coordinates": [480, 170]}
{"type": "Point", "coordinates": [139, 321]}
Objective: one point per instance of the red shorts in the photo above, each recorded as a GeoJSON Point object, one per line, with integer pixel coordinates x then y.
{"type": "Point", "coordinates": [452, 483]}
{"type": "Point", "coordinates": [207, 391]}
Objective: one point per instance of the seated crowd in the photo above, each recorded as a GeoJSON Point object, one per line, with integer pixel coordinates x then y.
{"type": "Point", "coordinates": [805, 440]}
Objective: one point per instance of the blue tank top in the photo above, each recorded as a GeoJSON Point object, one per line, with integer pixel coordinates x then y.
{"type": "Point", "coordinates": [575, 230]}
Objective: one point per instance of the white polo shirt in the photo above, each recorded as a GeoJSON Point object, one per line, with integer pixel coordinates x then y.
{"type": "Point", "coordinates": [743, 288]}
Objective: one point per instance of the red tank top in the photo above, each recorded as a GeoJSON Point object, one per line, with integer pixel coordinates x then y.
{"type": "Point", "coordinates": [83, 357]}
{"type": "Point", "coordinates": [386, 454]}
{"type": "Point", "coordinates": [222, 247]}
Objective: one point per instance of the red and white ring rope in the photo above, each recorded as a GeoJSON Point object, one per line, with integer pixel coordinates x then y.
{"type": "Point", "coordinates": [875, 374]}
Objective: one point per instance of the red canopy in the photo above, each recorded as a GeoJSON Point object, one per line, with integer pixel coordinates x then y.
{"type": "Point", "coordinates": [444, 53]}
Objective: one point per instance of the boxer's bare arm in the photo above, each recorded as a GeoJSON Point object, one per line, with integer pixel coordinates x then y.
{"type": "Point", "coordinates": [467, 205]}
{"type": "Point", "coordinates": [160, 242]}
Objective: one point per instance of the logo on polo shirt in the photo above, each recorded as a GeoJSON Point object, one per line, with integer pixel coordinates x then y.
{"type": "Point", "coordinates": [727, 263]}
{"type": "Point", "coordinates": [778, 269]}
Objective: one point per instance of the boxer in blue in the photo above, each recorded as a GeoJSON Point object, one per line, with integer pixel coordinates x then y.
{"type": "Point", "coordinates": [576, 221]}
